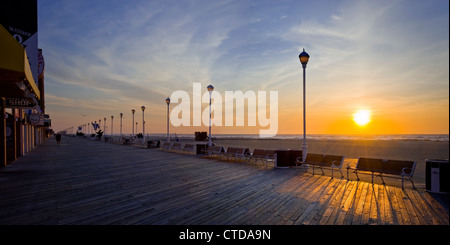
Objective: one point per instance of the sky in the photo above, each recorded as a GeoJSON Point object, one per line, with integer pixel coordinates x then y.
{"type": "Point", "coordinates": [391, 58]}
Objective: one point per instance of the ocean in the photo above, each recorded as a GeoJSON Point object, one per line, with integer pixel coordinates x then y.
{"type": "Point", "coordinates": [403, 137]}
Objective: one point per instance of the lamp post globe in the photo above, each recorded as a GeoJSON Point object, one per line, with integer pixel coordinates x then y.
{"type": "Point", "coordinates": [210, 90]}
{"type": "Point", "coordinates": [304, 58]}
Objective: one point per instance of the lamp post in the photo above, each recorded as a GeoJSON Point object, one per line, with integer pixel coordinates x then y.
{"type": "Point", "coordinates": [121, 115]}
{"type": "Point", "coordinates": [304, 57]}
{"type": "Point", "coordinates": [210, 90]}
{"type": "Point", "coordinates": [132, 125]}
{"type": "Point", "coordinates": [112, 128]}
{"type": "Point", "coordinates": [168, 102]}
{"type": "Point", "coordinates": [104, 126]}
{"type": "Point", "coordinates": [143, 124]}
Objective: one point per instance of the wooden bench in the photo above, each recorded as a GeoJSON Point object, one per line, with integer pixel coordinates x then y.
{"type": "Point", "coordinates": [165, 146]}
{"type": "Point", "coordinates": [213, 151]}
{"type": "Point", "coordinates": [384, 167]}
{"type": "Point", "coordinates": [176, 147]}
{"type": "Point", "coordinates": [236, 152]}
{"type": "Point", "coordinates": [264, 155]}
{"type": "Point", "coordinates": [322, 161]}
{"type": "Point", "coordinates": [190, 148]}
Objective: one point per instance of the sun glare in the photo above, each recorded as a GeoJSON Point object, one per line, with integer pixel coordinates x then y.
{"type": "Point", "coordinates": [362, 117]}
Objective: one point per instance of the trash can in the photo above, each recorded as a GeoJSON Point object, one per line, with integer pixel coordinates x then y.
{"type": "Point", "coordinates": [286, 158]}
{"type": "Point", "coordinates": [282, 160]}
{"type": "Point", "coordinates": [437, 175]}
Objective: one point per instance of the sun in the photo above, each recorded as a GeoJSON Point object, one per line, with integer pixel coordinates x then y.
{"type": "Point", "coordinates": [362, 117]}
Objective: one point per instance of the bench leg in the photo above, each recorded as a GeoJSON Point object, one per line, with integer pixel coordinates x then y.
{"type": "Point", "coordinates": [340, 171]}
{"type": "Point", "coordinates": [410, 179]}
{"type": "Point", "coordinates": [381, 176]}
{"type": "Point", "coordinates": [348, 174]}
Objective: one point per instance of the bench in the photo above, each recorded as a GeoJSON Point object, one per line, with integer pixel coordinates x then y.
{"type": "Point", "coordinates": [265, 155]}
{"type": "Point", "coordinates": [322, 161]}
{"type": "Point", "coordinates": [383, 167]}
{"type": "Point", "coordinates": [176, 147]}
{"type": "Point", "coordinates": [213, 150]}
{"type": "Point", "coordinates": [165, 146]}
{"type": "Point", "coordinates": [235, 152]}
{"type": "Point", "coordinates": [190, 148]}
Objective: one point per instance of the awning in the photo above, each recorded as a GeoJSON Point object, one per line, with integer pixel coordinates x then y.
{"type": "Point", "coordinates": [16, 79]}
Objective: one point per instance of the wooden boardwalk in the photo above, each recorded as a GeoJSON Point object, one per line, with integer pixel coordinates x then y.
{"type": "Point", "coordinates": [90, 182]}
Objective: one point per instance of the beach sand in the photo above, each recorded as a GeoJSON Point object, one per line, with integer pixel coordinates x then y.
{"type": "Point", "coordinates": [418, 151]}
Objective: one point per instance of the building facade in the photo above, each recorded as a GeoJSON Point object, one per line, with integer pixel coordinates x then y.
{"type": "Point", "coordinates": [23, 122]}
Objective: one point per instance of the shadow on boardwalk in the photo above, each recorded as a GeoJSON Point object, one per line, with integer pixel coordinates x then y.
{"type": "Point", "coordinates": [90, 182]}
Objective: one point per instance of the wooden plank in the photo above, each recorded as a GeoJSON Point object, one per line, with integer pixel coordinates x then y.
{"type": "Point", "coordinates": [324, 200]}
{"type": "Point", "coordinates": [334, 203]}
{"type": "Point", "coordinates": [359, 204]}
{"type": "Point", "coordinates": [347, 202]}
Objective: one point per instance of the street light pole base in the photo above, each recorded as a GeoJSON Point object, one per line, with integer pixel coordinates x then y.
{"type": "Point", "coordinates": [304, 154]}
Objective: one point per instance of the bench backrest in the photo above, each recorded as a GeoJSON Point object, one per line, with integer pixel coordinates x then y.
{"type": "Point", "coordinates": [218, 149]}
{"type": "Point", "coordinates": [335, 160]}
{"type": "Point", "coordinates": [166, 144]}
{"type": "Point", "coordinates": [176, 145]}
{"type": "Point", "coordinates": [236, 150]}
{"type": "Point", "coordinates": [386, 166]}
{"type": "Point", "coordinates": [312, 157]}
{"type": "Point", "coordinates": [259, 152]}
{"type": "Point", "coordinates": [262, 152]}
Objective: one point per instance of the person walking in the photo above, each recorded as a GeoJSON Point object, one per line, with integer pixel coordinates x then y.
{"type": "Point", "coordinates": [58, 138]}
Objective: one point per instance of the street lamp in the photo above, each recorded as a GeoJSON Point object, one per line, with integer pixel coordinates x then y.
{"type": "Point", "coordinates": [304, 57]}
{"type": "Point", "coordinates": [121, 115]}
{"type": "Point", "coordinates": [112, 128]}
{"type": "Point", "coordinates": [210, 90]}
{"type": "Point", "coordinates": [143, 124]}
{"type": "Point", "coordinates": [132, 125]}
{"type": "Point", "coordinates": [104, 126]}
{"type": "Point", "coordinates": [168, 102]}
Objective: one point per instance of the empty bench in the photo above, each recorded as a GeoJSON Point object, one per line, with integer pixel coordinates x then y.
{"type": "Point", "coordinates": [384, 167]}
{"type": "Point", "coordinates": [165, 146]}
{"type": "Point", "coordinates": [213, 151]}
{"type": "Point", "coordinates": [322, 161]}
{"type": "Point", "coordinates": [235, 152]}
{"type": "Point", "coordinates": [189, 148]}
{"type": "Point", "coordinates": [264, 155]}
{"type": "Point", "coordinates": [176, 147]}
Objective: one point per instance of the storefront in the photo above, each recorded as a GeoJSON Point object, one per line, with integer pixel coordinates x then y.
{"type": "Point", "coordinates": [22, 124]}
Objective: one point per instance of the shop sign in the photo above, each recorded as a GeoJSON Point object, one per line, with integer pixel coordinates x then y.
{"type": "Point", "coordinates": [21, 103]}
{"type": "Point", "coordinates": [35, 118]}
